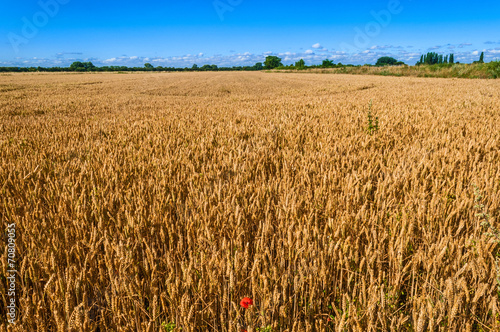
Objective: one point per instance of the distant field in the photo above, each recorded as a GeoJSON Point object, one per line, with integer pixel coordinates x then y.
{"type": "Point", "coordinates": [156, 202]}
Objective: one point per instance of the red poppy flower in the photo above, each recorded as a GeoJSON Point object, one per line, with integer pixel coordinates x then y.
{"type": "Point", "coordinates": [245, 302]}
{"type": "Point", "coordinates": [243, 330]}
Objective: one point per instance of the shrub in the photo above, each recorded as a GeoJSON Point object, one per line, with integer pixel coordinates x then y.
{"type": "Point", "coordinates": [494, 69]}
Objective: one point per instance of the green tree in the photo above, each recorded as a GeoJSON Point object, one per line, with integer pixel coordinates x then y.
{"type": "Point", "coordinates": [76, 66]}
{"type": "Point", "coordinates": [209, 67]}
{"type": "Point", "coordinates": [481, 58]}
{"type": "Point", "coordinates": [258, 66]}
{"type": "Point", "coordinates": [195, 67]}
{"type": "Point", "coordinates": [386, 61]}
{"type": "Point", "coordinates": [327, 64]}
{"type": "Point", "coordinates": [272, 62]}
{"type": "Point", "coordinates": [301, 64]}
{"type": "Point", "coordinates": [148, 66]}
{"type": "Point", "coordinates": [452, 58]}
{"type": "Point", "coordinates": [89, 66]}
{"type": "Point", "coordinates": [431, 58]}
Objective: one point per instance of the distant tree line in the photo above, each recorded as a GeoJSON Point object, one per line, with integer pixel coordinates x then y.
{"type": "Point", "coordinates": [90, 67]}
{"type": "Point", "coordinates": [274, 62]}
{"type": "Point", "coordinates": [433, 58]}
{"type": "Point", "coordinates": [271, 62]}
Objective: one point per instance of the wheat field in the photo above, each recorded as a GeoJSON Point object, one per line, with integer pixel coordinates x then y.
{"type": "Point", "coordinates": [158, 201]}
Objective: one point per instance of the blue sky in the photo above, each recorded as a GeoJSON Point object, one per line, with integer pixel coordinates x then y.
{"type": "Point", "coordinates": [242, 32]}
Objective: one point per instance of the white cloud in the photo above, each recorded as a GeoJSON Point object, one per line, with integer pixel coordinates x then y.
{"type": "Point", "coordinates": [317, 46]}
{"type": "Point", "coordinates": [311, 56]}
{"type": "Point", "coordinates": [383, 47]}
